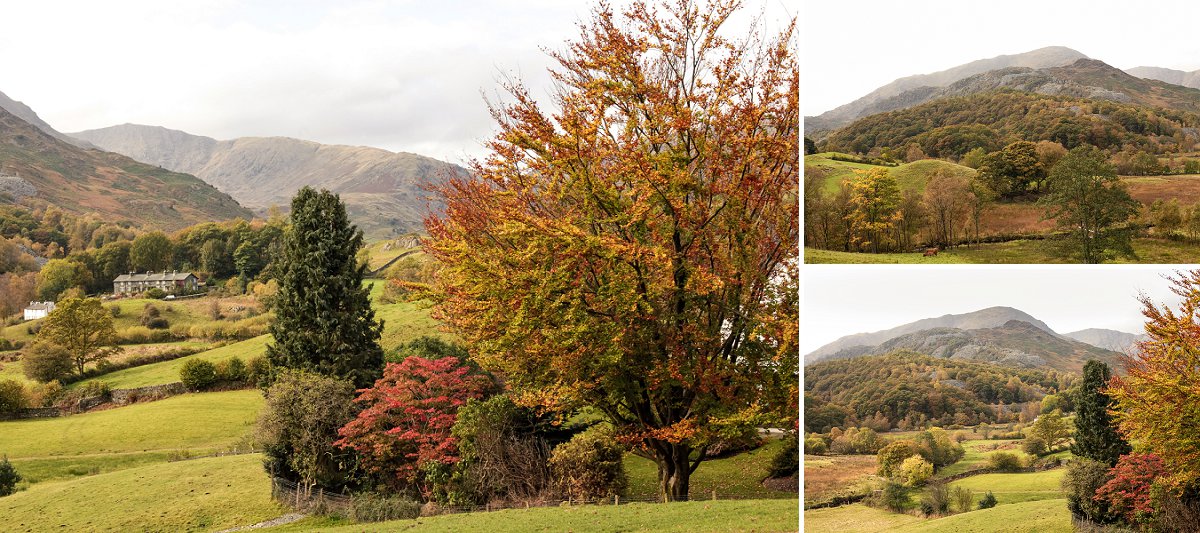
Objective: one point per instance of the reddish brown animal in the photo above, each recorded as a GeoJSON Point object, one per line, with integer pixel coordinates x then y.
{"type": "Point", "coordinates": [930, 252]}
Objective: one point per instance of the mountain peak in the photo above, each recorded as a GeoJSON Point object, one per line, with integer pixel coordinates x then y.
{"type": "Point", "coordinates": [1049, 56]}
{"type": "Point", "coordinates": [990, 317]}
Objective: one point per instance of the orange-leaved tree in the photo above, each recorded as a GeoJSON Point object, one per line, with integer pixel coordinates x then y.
{"type": "Point", "coordinates": [635, 250]}
{"type": "Point", "coordinates": [1158, 400]}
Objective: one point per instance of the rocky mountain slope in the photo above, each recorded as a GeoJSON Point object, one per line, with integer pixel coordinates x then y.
{"type": "Point", "coordinates": [860, 343]}
{"type": "Point", "coordinates": [1177, 77]}
{"type": "Point", "coordinates": [43, 168]}
{"type": "Point", "coordinates": [889, 97]}
{"type": "Point", "coordinates": [999, 335]}
{"type": "Point", "coordinates": [1117, 341]}
{"type": "Point", "coordinates": [383, 190]}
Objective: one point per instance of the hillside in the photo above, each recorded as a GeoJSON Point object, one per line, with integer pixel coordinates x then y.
{"type": "Point", "coordinates": [382, 190]}
{"type": "Point", "coordinates": [860, 343]}
{"type": "Point", "coordinates": [1015, 344]}
{"type": "Point", "coordinates": [952, 126]}
{"type": "Point", "coordinates": [1117, 341]}
{"type": "Point", "coordinates": [1176, 77]}
{"type": "Point", "coordinates": [906, 385]}
{"type": "Point", "coordinates": [910, 176]}
{"type": "Point", "coordinates": [889, 97]}
{"type": "Point", "coordinates": [114, 186]}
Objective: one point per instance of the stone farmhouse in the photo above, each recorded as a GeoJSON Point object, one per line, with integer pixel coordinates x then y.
{"type": "Point", "coordinates": [36, 310]}
{"type": "Point", "coordinates": [173, 281]}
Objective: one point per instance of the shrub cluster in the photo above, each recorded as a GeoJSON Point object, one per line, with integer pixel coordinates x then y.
{"type": "Point", "coordinates": [200, 374]}
{"type": "Point", "coordinates": [1006, 462]}
{"type": "Point", "coordinates": [590, 466]}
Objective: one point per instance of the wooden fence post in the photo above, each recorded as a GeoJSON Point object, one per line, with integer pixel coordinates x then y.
{"type": "Point", "coordinates": [714, 495]}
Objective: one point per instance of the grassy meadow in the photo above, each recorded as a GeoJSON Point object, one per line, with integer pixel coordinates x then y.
{"type": "Point", "coordinates": [1008, 217]}
{"type": "Point", "coordinates": [206, 494]}
{"type": "Point", "coordinates": [764, 516]}
{"type": "Point", "coordinates": [1035, 494]}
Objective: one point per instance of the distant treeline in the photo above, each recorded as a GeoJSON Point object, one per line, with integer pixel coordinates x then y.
{"type": "Point", "coordinates": [45, 252]}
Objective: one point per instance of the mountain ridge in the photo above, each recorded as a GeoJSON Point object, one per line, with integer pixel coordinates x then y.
{"type": "Point", "coordinates": [74, 179]}
{"type": "Point", "coordinates": [384, 191]}
{"type": "Point", "coordinates": [844, 114]}
{"type": "Point", "coordinates": [981, 318]}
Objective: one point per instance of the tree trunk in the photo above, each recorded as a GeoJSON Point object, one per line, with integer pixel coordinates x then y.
{"type": "Point", "coordinates": [674, 473]}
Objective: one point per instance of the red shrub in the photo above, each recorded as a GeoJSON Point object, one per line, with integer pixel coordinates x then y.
{"type": "Point", "coordinates": [1128, 490]}
{"type": "Point", "coordinates": [408, 416]}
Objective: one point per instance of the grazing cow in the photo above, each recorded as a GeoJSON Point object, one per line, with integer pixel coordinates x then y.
{"type": "Point", "coordinates": [930, 252]}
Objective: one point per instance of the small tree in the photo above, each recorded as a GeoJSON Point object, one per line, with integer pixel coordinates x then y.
{"type": "Point", "coordinates": [198, 374]}
{"type": "Point", "coordinates": [1088, 199]}
{"type": "Point", "coordinates": [8, 477]}
{"type": "Point", "coordinates": [83, 328]}
{"type": "Point", "coordinates": [893, 455]}
{"type": "Point", "coordinates": [963, 498]}
{"type": "Point", "coordinates": [46, 362]}
{"type": "Point", "coordinates": [1052, 429]}
{"type": "Point", "coordinates": [298, 425]}
{"type": "Point", "coordinates": [13, 397]}
{"type": "Point", "coordinates": [988, 501]}
{"type": "Point", "coordinates": [915, 470]}
{"type": "Point", "coordinates": [1081, 481]}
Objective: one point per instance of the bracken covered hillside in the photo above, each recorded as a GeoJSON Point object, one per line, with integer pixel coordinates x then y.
{"type": "Point", "coordinates": [114, 186]}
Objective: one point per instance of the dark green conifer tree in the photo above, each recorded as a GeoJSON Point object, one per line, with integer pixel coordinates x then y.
{"type": "Point", "coordinates": [1096, 436]}
{"type": "Point", "coordinates": [323, 317]}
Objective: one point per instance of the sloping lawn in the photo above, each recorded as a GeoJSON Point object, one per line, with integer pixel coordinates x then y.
{"type": "Point", "coordinates": [765, 516]}
{"type": "Point", "coordinates": [198, 495]}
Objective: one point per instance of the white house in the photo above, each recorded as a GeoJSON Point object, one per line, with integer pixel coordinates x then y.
{"type": "Point", "coordinates": [36, 310]}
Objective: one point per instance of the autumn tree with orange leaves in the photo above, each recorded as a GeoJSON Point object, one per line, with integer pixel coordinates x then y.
{"type": "Point", "coordinates": [636, 249]}
{"type": "Point", "coordinates": [1158, 400]}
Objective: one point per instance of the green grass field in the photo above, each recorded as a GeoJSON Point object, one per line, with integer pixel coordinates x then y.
{"type": "Point", "coordinates": [1043, 516]}
{"type": "Point", "coordinates": [1016, 488]}
{"type": "Point", "coordinates": [138, 434]}
{"type": "Point", "coordinates": [168, 371]}
{"type": "Point", "coordinates": [766, 516]}
{"type": "Point", "coordinates": [1026, 502]}
{"type": "Point", "coordinates": [977, 453]}
{"type": "Point", "coordinates": [1149, 251]}
{"type": "Point", "coordinates": [910, 176]}
{"type": "Point", "coordinates": [198, 495]}
{"type": "Point", "coordinates": [740, 475]}
{"type": "Point", "coordinates": [855, 518]}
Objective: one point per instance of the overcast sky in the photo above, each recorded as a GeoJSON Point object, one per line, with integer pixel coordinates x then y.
{"type": "Point", "coordinates": [852, 47]}
{"type": "Point", "coordinates": [839, 300]}
{"type": "Point", "coordinates": [403, 75]}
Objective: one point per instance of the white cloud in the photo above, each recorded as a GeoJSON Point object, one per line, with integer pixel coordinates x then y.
{"type": "Point", "coordinates": [401, 75]}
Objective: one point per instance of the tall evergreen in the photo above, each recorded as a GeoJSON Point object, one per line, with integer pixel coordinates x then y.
{"type": "Point", "coordinates": [323, 317]}
{"type": "Point", "coordinates": [1096, 436]}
